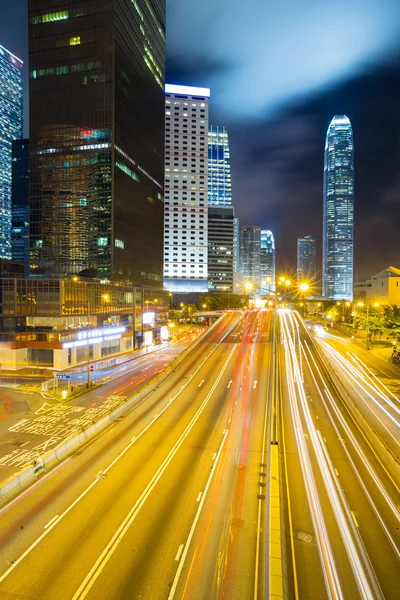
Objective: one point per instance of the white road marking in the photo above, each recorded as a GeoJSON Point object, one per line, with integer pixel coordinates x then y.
{"type": "Point", "coordinates": [198, 499]}
{"type": "Point", "coordinates": [201, 383]}
{"type": "Point", "coordinates": [255, 384]}
{"type": "Point", "coordinates": [215, 456]}
{"type": "Point", "coordinates": [50, 522]}
{"type": "Point", "coordinates": [229, 384]}
{"type": "Point", "coordinates": [354, 518]}
{"type": "Point", "coordinates": [197, 517]}
{"type": "Point", "coordinates": [178, 554]}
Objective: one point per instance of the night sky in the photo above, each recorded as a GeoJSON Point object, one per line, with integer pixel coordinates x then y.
{"type": "Point", "coordinates": [278, 73]}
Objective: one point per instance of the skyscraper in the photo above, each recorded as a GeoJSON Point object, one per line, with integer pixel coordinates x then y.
{"type": "Point", "coordinates": [20, 201]}
{"type": "Point", "coordinates": [338, 218]}
{"type": "Point", "coordinates": [10, 129]}
{"type": "Point", "coordinates": [219, 167]}
{"type": "Point", "coordinates": [267, 263]}
{"type": "Point", "coordinates": [186, 173]}
{"type": "Point", "coordinates": [250, 254]}
{"type": "Point", "coordinates": [307, 258]}
{"type": "Point", "coordinates": [97, 138]}
{"type": "Point", "coordinates": [220, 248]}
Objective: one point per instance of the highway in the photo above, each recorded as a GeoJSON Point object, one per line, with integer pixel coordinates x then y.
{"type": "Point", "coordinates": [343, 507]}
{"type": "Point", "coordinates": [171, 501]}
{"type": "Point", "coordinates": [166, 503]}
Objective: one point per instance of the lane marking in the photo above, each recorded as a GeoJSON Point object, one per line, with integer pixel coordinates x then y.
{"type": "Point", "coordinates": [50, 522]}
{"type": "Point", "coordinates": [354, 518]}
{"type": "Point", "coordinates": [201, 383]}
{"type": "Point", "coordinates": [196, 519]}
{"type": "Point", "coordinates": [178, 554]}
{"type": "Point", "coordinates": [229, 384]}
{"type": "Point", "coordinates": [255, 384]}
{"type": "Point", "coordinates": [198, 499]}
{"type": "Point", "coordinates": [119, 534]}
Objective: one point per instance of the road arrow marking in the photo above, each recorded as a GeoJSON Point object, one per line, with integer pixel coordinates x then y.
{"type": "Point", "coordinates": [229, 384]}
{"type": "Point", "coordinates": [255, 384]}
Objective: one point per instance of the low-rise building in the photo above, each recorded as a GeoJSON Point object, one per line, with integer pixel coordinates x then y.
{"type": "Point", "coordinates": [58, 323]}
{"type": "Point", "coordinates": [383, 287]}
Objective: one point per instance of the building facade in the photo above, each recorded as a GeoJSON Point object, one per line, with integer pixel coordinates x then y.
{"type": "Point", "coordinates": [338, 216]}
{"type": "Point", "coordinates": [61, 322]}
{"type": "Point", "coordinates": [250, 255]}
{"type": "Point", "coordinates": [219, 167]}
{"type": "Point", "coordinates": [267, 262]}
{"type": "Point", "coordinates": [11, 100]}
{"type": "Point", "coordinates": [220, 248]}
{"type": "Point", "coordinates": [236, 245]}
{"type": "Point", "coordinates": [383, 287]}
{"type": "Point", "coordinates": [20, 202]}
{"type": "Point", "coordinates": [97, 138]}
{"type": "Point", "coordinates": [186, 189]}
{"type": "Point", "coordinates": [307, 258]}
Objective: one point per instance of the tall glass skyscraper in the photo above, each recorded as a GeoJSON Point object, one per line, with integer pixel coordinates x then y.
{"type": "Point", "coordinates": [219, 168]}
{"type": "Point", "coordinates": [307, 258]}
{"type": "Point", "coordinates": [250, 255]}
{"type": "Point", "coordinates": [267, 266]}
{"type": "Point", "coordinates": [338, 219]}
{"type": "Point", "coordinates": [10, 129]}
{"type": "Point", "coordinates": [97, 138]}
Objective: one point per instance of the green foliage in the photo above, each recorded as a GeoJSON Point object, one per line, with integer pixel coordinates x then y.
{"type": "Point", "coordinates": [383, 321]}
{"type": "Point", "coordinates": [221, 301]}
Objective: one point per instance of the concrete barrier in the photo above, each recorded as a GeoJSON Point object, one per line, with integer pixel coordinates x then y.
{"type": "Point", "coordinates": [390, 462]}
{"type": "Point", "coordinates": [10, 488]}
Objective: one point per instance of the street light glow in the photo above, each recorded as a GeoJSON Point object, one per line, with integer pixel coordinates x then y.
{"type": "Point", "coordinates": [304, 287]}
{"type": "Point", "coordinates": [248, 286]}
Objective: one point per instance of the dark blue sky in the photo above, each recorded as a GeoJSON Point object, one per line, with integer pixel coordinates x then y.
{"type": "Point", "coordinates": [278, 73]}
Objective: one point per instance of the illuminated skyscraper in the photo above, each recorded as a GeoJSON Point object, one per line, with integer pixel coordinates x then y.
{"type": "Point", "coordinates": [186, 181]}
{"type": "Point", "coordinates": [338, 219]}
{"type": "Point", "coordinates": [10, 129]}
{"type": "Point", "coordinates": [20, 201]}
{"type": "Point", "coordinates": [97, 138]}
{"type": "Point", "coordinates": [219, 168]}
{"type": "Point", "coordinates": [307, 258]}
{"type": "Point", "coordinates": [267, 264]}
{"type": "Point", "coordinates": [250, 255]}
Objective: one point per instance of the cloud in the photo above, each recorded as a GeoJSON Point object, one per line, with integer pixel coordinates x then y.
{"type": "Point", "coordinates": [259, 56]}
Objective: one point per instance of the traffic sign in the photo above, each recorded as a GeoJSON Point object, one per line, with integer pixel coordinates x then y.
{"type": "Point", "coordinates": [63, 376]}
{"type": "Point", "coordinates": [91, 368]}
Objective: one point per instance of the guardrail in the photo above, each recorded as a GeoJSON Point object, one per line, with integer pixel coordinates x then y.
{"type": "Point", "coordinates": [14, 485]}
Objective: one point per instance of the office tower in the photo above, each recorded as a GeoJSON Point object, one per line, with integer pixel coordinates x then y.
{"type": "Point", "coordinates": [307, 258]}
{"type": "Point", "coordinates": [250, 255]}
{"type": "Point", "coordinates": [236, 245]}
{"type": "Point", "coordinates": [220, 248]}
{"type": "Point", "coordinates": [97, 138]}
{"type": "Point", "coordinates": [338, 218]}
{"type": "Point", "coordinates": [219, 168]}
{"type": "Point", "coordinates": [186, 184]}
{"type": "Point", "coordinates": [10, 129]}
{"type": "Point", "coordinates": [267, 265]}
{"type": "Point", "coordinates": [20, 201]}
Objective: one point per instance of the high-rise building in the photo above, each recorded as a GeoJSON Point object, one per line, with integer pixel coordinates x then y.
{"type": "Point", "coordinates": [250, 255]}
{"type": "Point", "coordinates": [338, 218]}
{"type": "Point", "coordinates": [307, 258]}
{"type": "Point", "coordinates": [267, 264]}
{"type": "Point", "coordinates": [186, 186]}
{"type": "Point", "coordinates": [97, 138]}
{"type": "Point", "coordinates": [20, 201]}
{"type": "Point", "coordinates": [219, 167]}
{"type": "Point", "coordinates": [220, 248]}
{"type": "Point", "coordinates": [236, 245]}
{"type": "Point", "coordinates": [10, 129]}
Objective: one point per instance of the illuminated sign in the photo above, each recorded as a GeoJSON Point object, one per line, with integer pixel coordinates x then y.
{"type": "Point", "coordinates": [148, 338]}
{"type": "Point", "coordinates": [164, 333]}
{"type": "Point", "coordinates": [187, 90]}
{"type": "Point", "coordinates": [96, 336]}
{"type": "Point", "coordinates": [149, 318]}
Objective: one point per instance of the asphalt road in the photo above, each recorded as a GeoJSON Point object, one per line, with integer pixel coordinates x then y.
{"type": "Point", "coordinates": [342, 507]}
{"type": "Point", "coordinates": [164, 504]}
{"type": "Point", "coordinates": [32, 423]}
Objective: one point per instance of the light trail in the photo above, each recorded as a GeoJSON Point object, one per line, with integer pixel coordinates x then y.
{"type": "Point", "coordinates": [365, 578]}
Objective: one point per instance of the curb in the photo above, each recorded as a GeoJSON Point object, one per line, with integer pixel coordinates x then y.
{"type": "Point", "coordinates": [15, 484]}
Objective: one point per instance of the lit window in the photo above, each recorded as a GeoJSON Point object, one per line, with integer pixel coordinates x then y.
{"type": "Point", "coordinates": [75, 41]}
{"type": "Point", "coordinates": [102, 241]}
{"type": "Point", "coordinates": [119, 244]}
